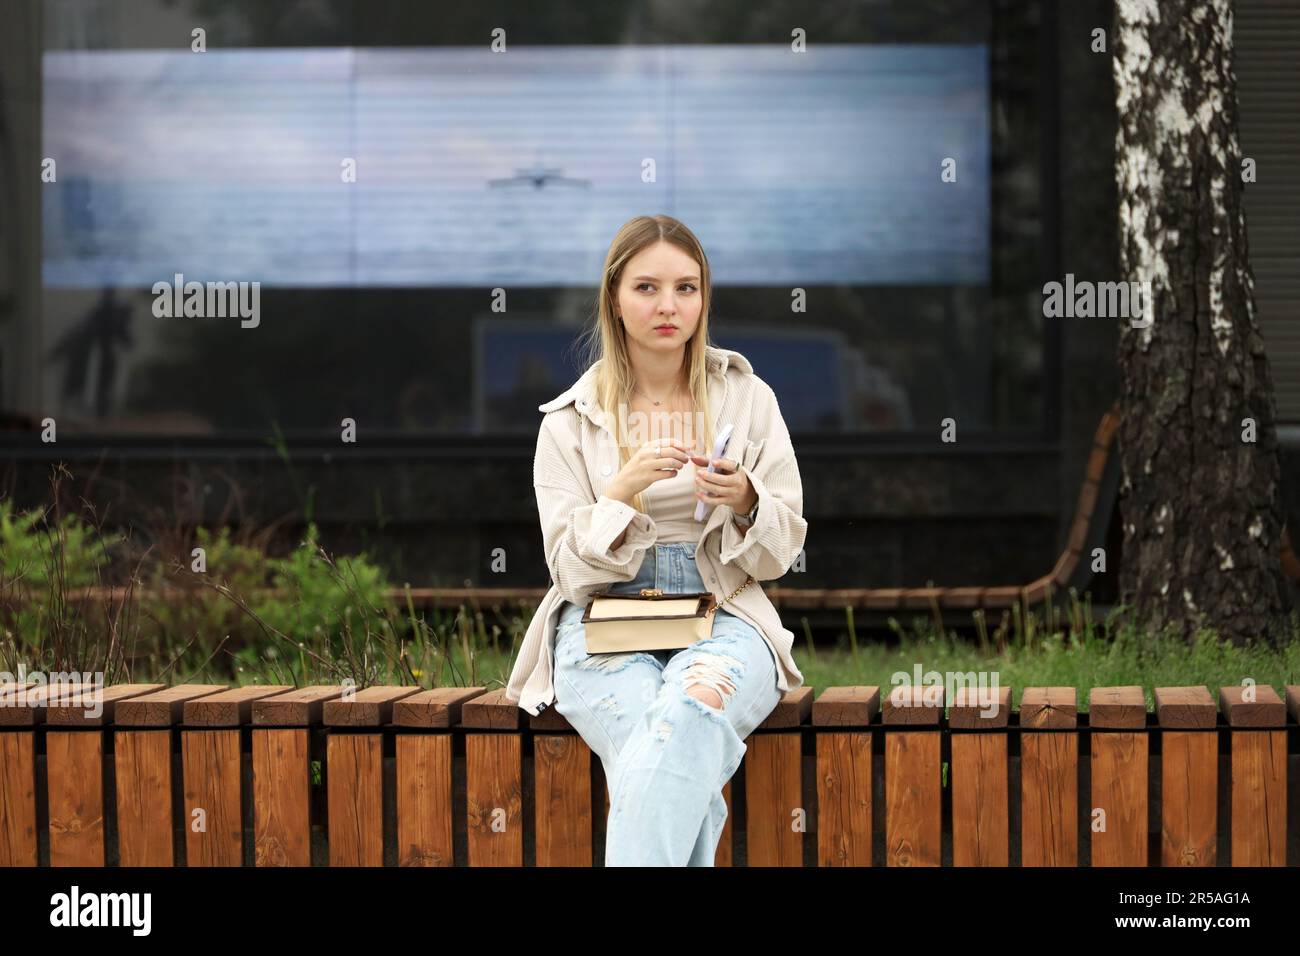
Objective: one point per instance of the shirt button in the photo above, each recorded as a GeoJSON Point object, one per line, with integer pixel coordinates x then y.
{"type": "Point", "coordinates": [606, 470]}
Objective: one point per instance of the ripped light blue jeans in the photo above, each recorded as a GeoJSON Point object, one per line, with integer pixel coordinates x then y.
{"type": "Point", "coordinates": [667, 754]}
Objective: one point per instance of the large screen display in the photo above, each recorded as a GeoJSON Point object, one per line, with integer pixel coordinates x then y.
{"type": "Point", "coordinates": [449, 166]}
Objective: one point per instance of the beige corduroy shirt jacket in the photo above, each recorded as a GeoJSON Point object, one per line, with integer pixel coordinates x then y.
{"type": "Point", "coordinates": [575, 462]}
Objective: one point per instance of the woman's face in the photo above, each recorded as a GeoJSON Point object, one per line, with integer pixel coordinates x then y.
{"type": "Point", "coordinates": [659, 298]}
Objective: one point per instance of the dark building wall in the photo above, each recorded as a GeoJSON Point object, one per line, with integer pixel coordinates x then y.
{"type": "Point", "coordinates": [891, 513]}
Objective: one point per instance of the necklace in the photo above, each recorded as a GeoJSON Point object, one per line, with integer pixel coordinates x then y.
{"type": "Point", "coordinates": [635, 389]}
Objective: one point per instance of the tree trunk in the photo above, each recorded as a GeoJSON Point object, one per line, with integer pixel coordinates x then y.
{"type": "Point", "coordinates": [1200, 504]}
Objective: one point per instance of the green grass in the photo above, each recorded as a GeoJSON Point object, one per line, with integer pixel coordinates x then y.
{"type": "Point", "coordinates": [1063, 661]}
{"type": "Point", "coordinates": [1103, 655]}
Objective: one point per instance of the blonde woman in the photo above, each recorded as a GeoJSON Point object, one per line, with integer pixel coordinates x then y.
{"type": "Point", "coordinates": [620, 467]}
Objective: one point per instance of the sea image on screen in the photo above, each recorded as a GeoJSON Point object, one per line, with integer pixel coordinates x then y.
{"type": "Point", "coordinates": [447, 167]}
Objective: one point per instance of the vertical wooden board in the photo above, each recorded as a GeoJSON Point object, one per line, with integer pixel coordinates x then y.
{"type": "Point", "coordinates": [913, 812]}
{"type": "Point", "coordinates": [1119, 788]}
{"type": "Point", "coordinates": [211, 775]}
{"type": "Point", "coordinates": [772, 793]}
{"type": "Point", "coordinates": [562, 800]}
{"type": "Point", "coordinates": [843, 799]}
{"type": "Point", "coordinates": [355, 793]}
{"type": "Point", "coordinates": [980, 805]}
{"type": "Point", "coordinates": [143, 775]}
{"type": "Point", "coordinates": [494, 799]}
{"type": "Point", "coordinates": [1189, 774]}
{"type": "Point", "coordinates": [1259, 798]}
{"type": "Point", "coordinates": [1049, 799]}
{"type": "Point", "coordinates": [424, 796]}
{"type": "Point", "coordinates": [723, 855]}
{"type": "Point", "coordinates": [18, 799]}
{"type": "Point", "coordinates": [1189, 788]}
{"type": "Point", "coordinates": [75, 775]}
{"type": "Point", "coordinates": [281, 798]}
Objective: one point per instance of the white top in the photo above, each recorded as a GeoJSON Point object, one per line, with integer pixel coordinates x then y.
{"type": "Point", "coordinates": [670, 503]}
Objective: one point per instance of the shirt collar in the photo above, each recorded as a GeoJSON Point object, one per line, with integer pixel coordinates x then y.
{"type": "Point", "coordinates": [582, 393]}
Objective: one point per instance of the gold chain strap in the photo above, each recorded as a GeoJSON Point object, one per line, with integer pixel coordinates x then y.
{"type": "Point", "coordinates": [748, 582]}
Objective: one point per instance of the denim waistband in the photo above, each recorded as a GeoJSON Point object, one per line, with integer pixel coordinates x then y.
{"type": "Point", "coordinates": [668, 566]}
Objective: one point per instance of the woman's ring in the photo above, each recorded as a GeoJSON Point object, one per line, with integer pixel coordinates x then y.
{"type": "Point", "coordinates": [656, 451]}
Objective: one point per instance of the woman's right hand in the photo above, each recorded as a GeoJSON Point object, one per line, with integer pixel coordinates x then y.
{"type": "Point", "coordinates": [653, 461]}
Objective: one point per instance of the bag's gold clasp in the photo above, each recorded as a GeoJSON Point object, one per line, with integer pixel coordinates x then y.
{"type": "Point", "coordinates": [652, 592]}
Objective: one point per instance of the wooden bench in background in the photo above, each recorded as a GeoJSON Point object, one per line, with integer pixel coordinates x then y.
{"type": "Point", "coordinates": [203, 775]}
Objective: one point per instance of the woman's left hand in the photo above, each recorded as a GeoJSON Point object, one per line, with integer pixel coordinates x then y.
{"type": "Point", "coordinates": [726, 485]}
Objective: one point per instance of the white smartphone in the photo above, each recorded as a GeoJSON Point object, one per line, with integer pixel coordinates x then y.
{"type": "Point", "coordinates": [719, 447]}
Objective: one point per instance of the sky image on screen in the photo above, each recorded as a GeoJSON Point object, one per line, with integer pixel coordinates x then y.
{"type": "Point", "coordinates": [480, 169]}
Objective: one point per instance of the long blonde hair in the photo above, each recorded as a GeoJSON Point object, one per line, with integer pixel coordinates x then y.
{"type": "Point", "coordinates": [606, 342]}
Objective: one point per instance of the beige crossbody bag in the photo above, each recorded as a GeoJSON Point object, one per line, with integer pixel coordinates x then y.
{"type": "Point", "coordinates": [651, 620]}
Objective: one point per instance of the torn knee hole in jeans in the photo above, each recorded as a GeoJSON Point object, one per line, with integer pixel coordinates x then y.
{"type": "Point", "coordinates": [711, 679]}
{"type": "Point", "coordinates": [610, 663]}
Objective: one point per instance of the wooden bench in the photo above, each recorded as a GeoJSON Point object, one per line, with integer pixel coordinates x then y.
{"type": "Point", "coordinates": [203, 775]}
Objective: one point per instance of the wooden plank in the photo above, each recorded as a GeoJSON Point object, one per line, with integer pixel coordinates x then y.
{"type": "Point", "coordinates": [922, 598]}
{"type": "Point", "coordinates": [74, 763]}
{"type": "Point", "coordinates": [1184, 708]}
{"type": "Point", "coordinates": [92, 706]}
{"type": "Point", "coordinates": [1119, 767]}
{"type": "Point", "coordinates": [15, 693]}
{"type": "Point", "coordinates": [1035, 591]}
{"type": "Point", "coordinates": [366, 708]}
{"type": "Point", "coordinates": [1002, 596]}
{"type": "Point", "coordinates": [1255, 706]}
{"type": "Point", "coordinates": [143, 768]}
{"type": "Point", "coordinates": [494, 789]}
{"type": "Point", "coordinates": [792, 710]}
{"type": "Point", "coordinates": [980, 825]}
{"type": "Point", "coordinates": [491, 711]}
{"type": "Point", "coordinates": [436, 709]}
{"type": "Point", "coordinates": [354, 789]}
{"type": "Point", "coordinates": [211, 775]}
{"type": "Point", "coordinates": [1087, 500]}
{"type": "Point", "coordinates": [882, 599]}
{"type": "Point", "coordinates": [1258, 774]}
{"type": "Point", "coordinates": [772, 793]}
{"type": "Point", "coordinates": [980, 808]}
{"type": "Point", "coordinates": [1043, 708]}
{"type": "Point", "coordinates": [963, 598]}
{"type": "Point", "coordinates": [424, 795]}
{"type": "Point", "coordinates": [846, 707]}
{"type": "Point", "coordinates": [1096, 464]}
{"type": "Point", "coordinates": [980, 708]}
{"type": "Point", "coordinates": [1049, 761]}
{"type": "Point", "coordinates": [281, 794]}
{"type": "Point", "coordinates": [913, 789]}
{"type": "Point", "coordinates": [1049, 799]}
{"type": "Point", "coordinates": [18, 799]}
{"type": "Point", "coordinates": [1117, 707]}
{"type": "Point", "coordinates": [228, 708]}
{"type": "Point", "coordinates": [913, 704]}
{"type": "Point", "coordinates": [1293, 701]}
{"type": "Point", "coordinates": [562, 800]}
{"type": "Point", "coordinates": [162, 708]}
{"type": "Point", "coordinates": [1189, 772]}
{"type": "Point", "coordinates": [1064, 569]}
{"type": "Point", "coordinates": [26, 707]}
{"type": "Point", "coordinates": [843, 793]}
{"type": "Point", "coordinates": [297, 708]}
{"type": "Point", "coordinates": [1259, 798]}
{"type": "Point", "coordinates": [843, 762]}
